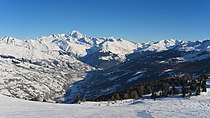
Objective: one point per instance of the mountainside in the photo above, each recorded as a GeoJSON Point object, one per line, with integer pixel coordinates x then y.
{"type": "Point", "coordinates": [73, 64]}
{"type": "Point", "coordinates": [145, 68]}
{"type": "Point", "coordinates": [33, 70]}
{"type": "Point", "coordinates": [101, 50]}
{"type": "Point", "coordinates": [43, 68]}
{"type": "Point", "coordinates": [152, 61]}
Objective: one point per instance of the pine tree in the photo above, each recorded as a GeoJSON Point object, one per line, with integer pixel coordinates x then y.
{"type": "Point", "coordinates": [183, 82]}
{"type": "Point", "coordinates": [77, 99]}
{"type": "Point", "coordinates": [164, 93]}
{"type": "Point", "coordinates": [204, 89]}
{"type": "Point", "coordinates": [193, 85]}
{"type": "Point", "coordinates": [134, 95]}
{"type": "Point", "coordinates": [183, 91]}
{"type": "Point", "coordinates": [198, 91]}
{"type": "Point", "coordinates": [173, 90]}
{"type": "Point", "coordinates": [154, 96]}
{"type": "Point", "coordinates": [117, 96]}
{"type": "Point", "coordinates": [204, 86]}
{"type": "Point", "coordinates": [113, 98]}
{"type": "Point", "coordinates": [165, 90]}
{"type": "Point", "coordinates": [140, 91]}
{"type": "Point", "coordinates": [125, 96]}
{"type": "Point", "coordinates": [147, 88]}
{"type": "Point", "coordinates": [190, 94]}
{"type": "Point", "coordinates": [204, 76]}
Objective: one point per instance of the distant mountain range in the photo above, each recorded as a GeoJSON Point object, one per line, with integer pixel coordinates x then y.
{"type": "Point", "coordinates": [62, 66]}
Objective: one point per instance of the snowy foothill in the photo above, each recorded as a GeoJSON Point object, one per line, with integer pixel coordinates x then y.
{"type": "Point", "coordinates": [177, 107]}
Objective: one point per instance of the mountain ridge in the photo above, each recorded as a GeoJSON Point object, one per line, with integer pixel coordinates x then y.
{"type": "Point", "coordinates": [74, 61]}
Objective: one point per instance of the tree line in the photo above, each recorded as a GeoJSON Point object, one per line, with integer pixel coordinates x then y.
{"type": "Point", "coordinates": [186, 85]}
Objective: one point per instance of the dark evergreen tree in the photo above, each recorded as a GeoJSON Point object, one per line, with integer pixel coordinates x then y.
{"type": "Point", "coordinates": [125, 96]}
{"type": "Point", "coordinates": [183, 91]}
{"type": "Point", "coordinates": [117, 96]}
{"type": "Point", "coordinates": [134, 95]}
{"type": "Point", "coordinates": [193, 85]}
{"type": "Point", "coordinates": [77, 99]}
{"type": "Point", "coordinates": [190, 94]}
{"type": "Point", "coordinates": [140, 91]}
{"type": "Point", "coordinates": [174, 90]}
{"type": "Point", "coordinates": [147, 89]}
{"type": "Point", "coordinates": [166, 86]}
{"type": "Point", "coordinates": [154, 96]}
{"type": "Point", "coordinates": [204, 86]}
{"type": "Point", "coordinates": [113, 97]}
{"type": "Point", "coordinates": [198, 91]}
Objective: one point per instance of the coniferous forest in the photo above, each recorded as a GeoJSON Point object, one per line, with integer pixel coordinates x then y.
{"type": "Point", "coordinates": [185, 86]}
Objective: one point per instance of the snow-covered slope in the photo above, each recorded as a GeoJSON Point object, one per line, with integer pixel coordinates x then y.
{"type": "Point", "coordinates": [86, 48]}
{"type": "Point", "coordinates": [146, 67]}
{"type": "Point", "coordinates": [46, 66]}
{"type": "Point", "coordinates": [37, 69]}
{"type": "Point", "coordinates": [190, 50]}
{"type": "Point", "coordinates": [106, 50]}
{"type": "Point", "coordinates": [74, 42]}
{"type": "Point", "coordinates": [180, 45]}
{"type": "Point", "coordinates": [160, 45]}
{"type": "Point", "coordinates": [81, 45]}
{"type": "Point", "coordinates": [39, 79]}
{"type": "Point", "coordinates": [173, 107]}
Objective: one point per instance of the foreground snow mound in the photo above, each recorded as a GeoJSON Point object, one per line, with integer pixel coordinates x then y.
{"type": "Point", "coordinates": [161, 108]}
{"type": "Point", "coordinates": [173, 107]}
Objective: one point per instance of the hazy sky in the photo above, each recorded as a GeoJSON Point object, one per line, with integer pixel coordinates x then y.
{"type": "Point", "coordinates": [135, 20]}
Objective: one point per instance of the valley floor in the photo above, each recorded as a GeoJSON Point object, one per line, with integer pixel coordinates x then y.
{"type": "Point", "coordinates": [194, 107]}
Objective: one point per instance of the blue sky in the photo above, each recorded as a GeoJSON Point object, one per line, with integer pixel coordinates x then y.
{"type": "Point", "coordinates": [135, 20]}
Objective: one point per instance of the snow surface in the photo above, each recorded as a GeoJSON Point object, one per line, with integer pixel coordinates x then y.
{"type": "Point", "coordinates": [193, 49]}
{"type": "Point", "coordinates": [40, 77]}
{"type": "Point", "coordinates": [44, 67]}
{"type": "Point", "coordinates": [168, 70]}
{"type": "Point", "coordinates": [78, 44]}
{"type": "Point", "coordinates": [176, 107]}
{"type": "Point", "coordinates": [37, 69]}
{"type": "Point", "coordinates": [135, 78]}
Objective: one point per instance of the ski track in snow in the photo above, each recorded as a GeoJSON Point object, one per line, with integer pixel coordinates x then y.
{"type": "Point", "coordinates": [195, 107]}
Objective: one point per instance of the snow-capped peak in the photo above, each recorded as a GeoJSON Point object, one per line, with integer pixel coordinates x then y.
{"type": "Point", "coordinates": [75, 34]}
{"type": "Point", "coordinates": [169, 41]}
{"type": "Point", "coordinates": [160, 45]}
{"type": "Point", "coordinates": [8, 39]}
{"type": "Point", "coordinates": [80, 45]}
